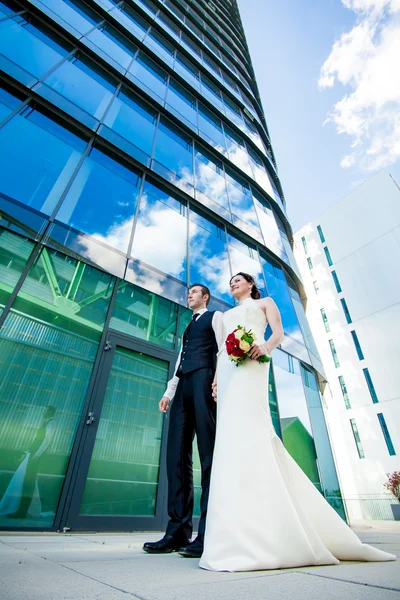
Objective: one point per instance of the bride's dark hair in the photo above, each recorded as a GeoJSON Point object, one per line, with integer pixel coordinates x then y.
{"type": "Point", "coordinates": [255, 293]}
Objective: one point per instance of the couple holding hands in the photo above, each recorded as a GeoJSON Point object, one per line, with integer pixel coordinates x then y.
{"type": "Point", "coordinates": [258, 509]}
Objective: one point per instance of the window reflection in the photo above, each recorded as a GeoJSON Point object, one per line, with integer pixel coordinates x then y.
{"type": "Point", "coordinates": [295, 420]}
{"type": "Point", "coordinates": [149, 76]}
{"type": "Point", "coordinates": [269, 226]}
{"type": "Point", "coordinates": [209, 262]}
{"type": "Point", "coordinates": [237, 150]}
{"type": "Point", "coordinates": [187, 70]}
{"type": "Point", "coordinates": [28, 47]}
{"type": "Point", "coordinates": [8, 103]}
{"type": "Point", "coordinates": [161, 232]}
{"type": "Point", "coordinates": [74, 13]}
{"type": "Point", "coordinates": [133, 119]}
{"type": "Point", "coordinates": [131, 19]}
{"type": "Point", "coordinates": [102, 202]}
{"type": "Point", "coordinates": [211, 128]}
{"type": "Point", "coordinates": [241, 199]}
{"type": "Point", "coordinates": [113, 44]}
{"type": "Point", "coordinates": [81, 82]}
{"type": "Point", "coordinates": [144, 315]}
{"type": "Point", "coordinates": [174, 150]}
{"type": "Point", "coordinates": [279, 291]}
{"type": "Point", "coordinates": [160, 46]}
{"type": "Point", "coordinates": [49, 160]}
{"type": "Point", "coordinates": [182, 102]}
{"type": "Point", "coordinates": [210, 178]}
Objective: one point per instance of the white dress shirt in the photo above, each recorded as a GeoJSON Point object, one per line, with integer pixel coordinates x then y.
{"type": "Point", "coordinates": [218, 331]}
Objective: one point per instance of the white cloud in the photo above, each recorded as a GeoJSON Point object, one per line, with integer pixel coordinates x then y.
{"type": "Point", "coordinates": [365, 61]}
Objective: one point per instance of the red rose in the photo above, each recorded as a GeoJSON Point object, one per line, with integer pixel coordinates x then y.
{"type": "Point", "coordinates": [237, 352]}
{"type": "Point", "coordinates": [231, 337]}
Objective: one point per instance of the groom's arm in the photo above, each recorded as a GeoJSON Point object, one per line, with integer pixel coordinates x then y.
{"type": "Point", "coordinates": [171, 386]}
{"type": "Point", "coordinates": [218, 329]}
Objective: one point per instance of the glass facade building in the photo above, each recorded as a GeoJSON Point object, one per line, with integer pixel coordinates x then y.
{"type": "Point", "coordinates": [135, 160]}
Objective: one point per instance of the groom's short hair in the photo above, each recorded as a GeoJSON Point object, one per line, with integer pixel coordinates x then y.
{"type": "Point", "coordinates": [204, 291]}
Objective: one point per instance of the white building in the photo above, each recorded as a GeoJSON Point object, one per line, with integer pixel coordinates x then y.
{"type": "Point", "coordinates": [349, 258]}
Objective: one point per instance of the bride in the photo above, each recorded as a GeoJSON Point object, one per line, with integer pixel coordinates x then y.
{"type": "Point", "coordinates": [263, 512]}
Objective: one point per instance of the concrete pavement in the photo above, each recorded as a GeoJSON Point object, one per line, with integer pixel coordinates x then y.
{"type": "Point", "coordinates": [114, 567]}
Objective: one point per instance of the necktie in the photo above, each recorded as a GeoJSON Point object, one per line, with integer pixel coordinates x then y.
{"type": "Point", "coordinates": [195, 316]}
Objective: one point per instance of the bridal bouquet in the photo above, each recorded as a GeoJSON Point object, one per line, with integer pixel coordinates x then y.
{"type": "Point", "coordinates": [238, 345]}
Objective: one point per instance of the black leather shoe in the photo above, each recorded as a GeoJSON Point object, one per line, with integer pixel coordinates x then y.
{"type": "Point", "coordinates": [193, 550]}
{"type": "Point", "coordinates": [166, 545]}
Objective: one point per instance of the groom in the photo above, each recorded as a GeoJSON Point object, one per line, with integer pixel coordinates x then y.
{"type": "Point", "coordinates": [192, 412]}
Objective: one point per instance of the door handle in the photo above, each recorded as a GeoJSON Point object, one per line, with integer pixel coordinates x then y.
{"type": "Point", "coordinates": [90, 419]}
{"type": "Point", "coordinates": [107, 346]}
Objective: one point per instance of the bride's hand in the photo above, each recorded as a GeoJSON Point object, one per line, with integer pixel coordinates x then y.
{"type": "Point", "coordinates": [214, 390]}
{"type": "Point", "coordinates": [256, 351]}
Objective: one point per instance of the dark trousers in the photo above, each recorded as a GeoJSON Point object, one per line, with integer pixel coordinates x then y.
{"type": "Point", "coordinates": [193, 411]}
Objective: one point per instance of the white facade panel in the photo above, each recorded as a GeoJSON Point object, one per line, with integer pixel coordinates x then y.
{"type": "Point", "coordinates": [362, 234]}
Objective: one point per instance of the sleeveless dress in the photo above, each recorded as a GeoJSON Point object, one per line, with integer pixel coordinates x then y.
{"type": "Point", "coordinates": [263, 511]}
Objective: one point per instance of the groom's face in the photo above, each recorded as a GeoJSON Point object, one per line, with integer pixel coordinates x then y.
{"type": "Point", "coordinates": [196, 299]}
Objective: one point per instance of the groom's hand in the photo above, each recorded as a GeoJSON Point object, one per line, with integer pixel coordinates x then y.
{"type": "Point", "coordinates": [214, 390]}
{"type": "Point", "coordinates": [163, 404]}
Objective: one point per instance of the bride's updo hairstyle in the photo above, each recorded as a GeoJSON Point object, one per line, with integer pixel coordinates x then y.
{"type": "Point", "coordinates": [255, 294]}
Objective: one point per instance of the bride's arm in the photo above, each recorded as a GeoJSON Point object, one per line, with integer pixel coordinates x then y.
{"type": "Point", "coordinates": [274, 321]}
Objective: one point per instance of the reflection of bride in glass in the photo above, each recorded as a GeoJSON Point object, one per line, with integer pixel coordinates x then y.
{"type": "Point", "coordinates": [21, 498]}
{"type": "Point", "coordinates": [263, 511]}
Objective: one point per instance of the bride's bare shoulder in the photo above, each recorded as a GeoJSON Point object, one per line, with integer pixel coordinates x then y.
{"type": "Point", "coordinates": [266, 303]}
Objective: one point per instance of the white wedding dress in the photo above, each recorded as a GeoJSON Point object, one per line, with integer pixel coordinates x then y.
{"type": "Point", "coordinates": [263, 511]}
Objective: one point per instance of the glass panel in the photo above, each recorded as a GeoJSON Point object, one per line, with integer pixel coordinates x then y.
{"type": "Point", "coordinates": [124, 468]}
{"type": "Point", "coordinates": [29, 48]}
{"type": "Point", "coordinates": [209, 260]}
{"type": "Point", "coordinates": [297, 433]}
{"type": "Point", "coordinates": [48, 346]}
{"type": "Point", "coordinates": [144, 315]}
{"type": "Point", "coordinates": [133, 119]}
{"type": "Point", "coordinates": [269, 227]}
{"type": "Point", "coordinates": [14, 254]}
{"type": "Point", "coordinates": [279, 291]}
{"type": "Point", "coordinates": [49, 160]}
{"type": "Point", "coordinates": [241, 199]}
{"type": "Point", "coordinates": [210, 179]}
{"type": "Point", "coordinates": [211, 128]}
{"type": "Point", "coordinates": [326, 463]}
{"type": "Point", "coordinates": [357, 439]}
{"type": "Point", "coordinates": [110, 218]}
{"type": "Point", "coordinates": [211, 91]}
{"type": "Point", "coordinates": [81, 82]}
{"type": "Point", "coordinates": [113, 44]}
{"type": "Point", "coordinates": [8, 8]}
{"type": "Point", "coordinates": [370, 385]}
{"type": "Point", "coordinates": [357, 345]}
{"type": "Point", "coordinates": [187, 70]}
{"type": "Point", "coordinates": [160, 46]}
{"type": "Point", "coordinates": [79, 16]}
{"type": "Point", "coordinates": [149, 76]}
{"type": "Point", "coordinates": [386, 435]}
{"type": "Point", "coordinates": [181, 102]}
{"type": "Point", "coordinates": [174, 150]}
{"type": "Point", "coordinates": [132, 20]}
{"type": "Point", "coordinates": [8, 103]}
{"type": "Point", "coordinates": [237, 150]}
{"type": "Point", "coordinates": [161, 216]}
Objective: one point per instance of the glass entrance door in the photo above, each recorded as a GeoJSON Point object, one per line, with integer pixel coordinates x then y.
{"type": "Point", "coordinates": [119, 484]}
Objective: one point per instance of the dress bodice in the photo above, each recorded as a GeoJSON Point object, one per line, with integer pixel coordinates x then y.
{"type": "Point", "coordinates": [248, 315]}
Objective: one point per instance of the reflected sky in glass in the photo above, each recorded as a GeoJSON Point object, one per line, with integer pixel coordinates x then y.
{"type": "Point", "coordinates": [149, 74]}
{"type": "Point", "coordinates": [102, 201]}
{"type": "Point", "coordinates": [161, 232]}
{"type": "Point", "coordinates": [77, 81]}
{"type": "Point", "coordinates": [183, 102]}
{"type": "Point", "coordinates": [241, 199]}
{"type": "Point", "coordinates": [209, 262]}
{"type": "Point", "coordinates": [49, 160]}
{"type": "Point", "coordinates": [210, 177]}
{"type": "Point", "coordinates": [8, 103]}
{"type": "Point", "coordinates": [28, 47]}
{"type": "Point", "coordinates": [133, 119]}
{"type": "Point", "coordinates": [174, 150]}
{"type": "Point", "coordinates": [269, 227]}
{"type": "Point", "coordinates": [131, 20]}
{"type": "Point", "coordinates": [278, 290]}
{"type": "Point", "coordinates": [81, 20]}
{"type": "Point", "coordinates": [211, 125]}
{"type": "Point", "coordinates": [113, 44]}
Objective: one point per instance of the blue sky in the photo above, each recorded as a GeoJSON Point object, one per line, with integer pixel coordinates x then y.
{"type": "Point", "coordinates": [289, 41]}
